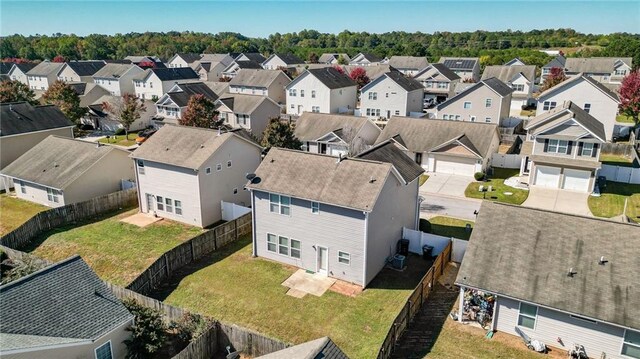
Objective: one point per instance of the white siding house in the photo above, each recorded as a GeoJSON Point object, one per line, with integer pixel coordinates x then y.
{"type": "Point", "coordinates": [270, 83]}
{"type": "Point", "coordinates": [79, 71]}
{"type": "Point", "coordinates": [392, 94]}
{"type": "Point", "coordinates": [153, 83]}
{"type": "Point", "coordinates": [43, 75]}
{"type": "Point", "coordinates": [487, 101]}
{"type": "Point", "coordinates": [18, 72]}
{"type": "Point", "coordinates": [248, 112]}
{"type": "Point", "coordinates": [117, 78]}
{"type": "Point", "coordinates": [322, 90]}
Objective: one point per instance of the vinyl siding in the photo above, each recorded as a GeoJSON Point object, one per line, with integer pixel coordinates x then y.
{"type": "Point", "coordinates": [15, 146]}
{"type": "Point", "coordinates": [390, 97]}
{"type": "Point", "coordinates": [337, 228]}
{"type": "Point", "coordinates": [550, 325]}
{"type": "Point", "coordinates": [499, 106]}
{"type": "Point", "coordinates": [38, 194]}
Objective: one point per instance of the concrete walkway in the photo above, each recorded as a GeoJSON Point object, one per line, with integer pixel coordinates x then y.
{"type": "Point", "coordinates": [446, 184]}
{"type": "Point", "coordinates": [558, 200]}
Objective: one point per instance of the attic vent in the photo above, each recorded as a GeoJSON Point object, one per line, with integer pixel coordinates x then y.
{"type": "Point", "coordinates": [602, 261]}
{"type": "Point", "coordinates": [273, 160]}
{"type": "Point", "coordinates": [572, 272]}
{"type": "Point", "coordinates": [202, 146]}
{"type": "Point", "coordinates": [371, 180]}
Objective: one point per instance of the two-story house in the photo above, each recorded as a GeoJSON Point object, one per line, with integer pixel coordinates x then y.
{"type": "Point", "coordinates": [468, 68]}
{"type": "Point", "coordinates": [335, 135]}
{"type": "Point", "coordinates": [225, 59]}
{"type": "Point", "coordinates": [278, 61]}
{"type": "Point", "coordinates": [438, 81]}
{"type": "Point", "coordinates": [184, 173]}
{"type": "Point", "coordinates": [562, 149]}
{"type": "Point", "coordinates": [270, 83]}
{"type": "Point", "coordinates": [18, 72]}
{"type": "Point", "coordinates": [392, 94]}
{"type": "Point", "coordinates": [209, 71]}
{"type": "Point", "coordinates": [79, 71]}
{"type": "Point", "coordinates": [117, 78]}
{"type": "Point", "coordinates": [232, 69]}
{"type": "Point", "coordinates": [521, 78]}
{"type": "Point", "coordinates": [172, 104]}
{"type": "Point", "coordinates": [453, 147]}
{"type": "Point", "coordinates": [333, 58]}
{"type": "Point", "coordinates": [43, 75]}
{"type": "Point", "coordinates": [515, 62]}
{"type": "Point", "coordinates": [557, 62]}
{"type": "Point", "coordinates": [338, 217]}
{"type": "Point", "coordinates": [153, 83]}
{"type": "Point", "coordinates": [486, 101]}
{"type": "Point", "coordinates": [608, 70]}
{"type": "Point", "coordinates": [183, 59]}
{"type": "Point", "coordinates": [248, 112]}
{"type": "Point", "coordinates": [365, 59]}
{"type": "Point", "coordinates": [324, 90]}
{"type": "Point", "coordinates": [592, 96]}
{"type": "Point", "coordinates": [104, 121]}
{"type": "Point", "coordinates": [408, 65]}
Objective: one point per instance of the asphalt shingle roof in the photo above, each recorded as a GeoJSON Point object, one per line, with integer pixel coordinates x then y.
{"type": "Point", "coordinates": [25, 67]}
{"type": "Point", "coordinates": [526, 254]}
{"type": "Point", "coordinates": [173, 74]}
{"type": "Point", "coordinates": [459, 63]}
{"type": "Point", "coordinates": [21, 117]}
{"type": "Point", "coordinates": [311, 125]}
{"type": "Point", "coordinates": [64, 301]}
{"type": "Point", "coordinates": [244, 104]}
{"type": "Point", "coordinates": [573, 111]}
{"type": "Point", "coordinates": [607, 91]}
{"type": "Point", "coordinates": [289, 59]}
{"type": "Point", "coordinates": [332, 78]}
{"type": "Point", "coordinates": [506, 73]}
{"type": "Point", "coordinates": [407, 83]}
{"type": "Point", "coordinates": [322, 348]}
{"type": "Point", "coordinates": [255, 77]}
{"type": "Point", "coordinates": [86, 68]}
{"type": "Point", "coordinates": [493, 83]}
{"type": "Point", "coordinates": [181, 98]}
{"type": "Point", "coordinates": [189, 57]}
{"type": "Point", "coordinates": [408, 62]}
{"type": "Point", "coordinates": [602, 65]}
{"type": "Point", "coordinates": [388, 152]}
{"type": "Point", "coordinates": [442, 69]}
{"type": "Point", "coordinates": [253, 56]}
{"type": "Point", "coordinates": [113, 71]}
{"type": "Point", "coordinates": [557, 61]}
{"type": "Point", "coordinates": [45, 68]}
{"type": "Point", "coordinates": [5, 67]}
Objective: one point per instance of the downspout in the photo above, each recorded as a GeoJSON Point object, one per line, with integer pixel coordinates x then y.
{"type": "Point", "coordinates": [418, 203]}
{"type": "Point", "coordinates": [495, 314]}
{"type": "Point", "coordinates": [461, 304]}
{"type": "Point", "coordinates": [254, 253]}
{"type": "Point", "coordinates": [364, 262]}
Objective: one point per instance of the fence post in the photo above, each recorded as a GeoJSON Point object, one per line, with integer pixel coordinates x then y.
{"type": "Point", "coordinates": [215, 239]}
{"type": "Point", "coordinates": [235, 229]}
{"type": "Point", "coordinates": [166, 263]}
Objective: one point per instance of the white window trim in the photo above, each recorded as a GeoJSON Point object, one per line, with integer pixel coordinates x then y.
{"type": "Point", "coordinates": [624, 334]}
{"type": "Point", "coordinates": [558, 146]}
{"type": "Point", "coordinates": [175, 207]}
{"type": "Point", "coordinates": [464, 105]}
{"type": "Point", "coordinates": [535, 318]}
{"type": "Point", "coordinates": [279, 203]}
{"type": "Point", "coordinates": [95, 350]}
{"type": "Point", "coordinates": [348, 258]}
{"type": "Point", "coordinates": [590, 150]}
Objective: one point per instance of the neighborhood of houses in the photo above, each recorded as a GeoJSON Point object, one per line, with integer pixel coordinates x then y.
{"type": "Point", "coordinates": [527, 168]}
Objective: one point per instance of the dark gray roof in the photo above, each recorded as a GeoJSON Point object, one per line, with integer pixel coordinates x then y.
{"type": "Point", "coordinates": [406, 83]}
{"type": "Point", "coordinates": [253, 56]}
{"type": "Point", "coordinates": [57, 162]}
{"type": "Point", "coordinates": [459, 63]}
{"type": "Point", "coordinates": [498, 86]}
{"type": "Point", "coordinates": [368, 56]}
{"type": "Point", "coordinates": [21, 117]}
{"type": "Point", "coordinates": [557, 61]}
{"type": "Point", "coordinates": [569, 110]}
{"type": "Point", "coordinates": [181, 98]}
{"type": "Point", "coordinates": [175, 73]}
{"type": "Point", "coordinates": [86, 68]}
{"type": "Point", "coordinates": [244, 64]}
{"type": "Point", "coordinates": [445, 71]}
{"type": "Point", "coordinates": [387, 151]}
{"type": "Point", "coordinates": [322, 348]}
{"type": "Point", "coordinates": [5, 67]}
{"type": "Point", "coordinates": [332, 78]}
{"type": "Point", "coordinates": [422, 135]}
{"type": "Point", "coordinates": [78, 87]}
{"type": "Point", "coordinates": [64, 301]}
{"type": "Point", "coordinates": [25, 67]}
{"type": "Point", "coordinates": [289, 59]}
{"type": "Point", "coordinates": [526, 254]}
{"type": "Point", "coordinates": [189, 57]}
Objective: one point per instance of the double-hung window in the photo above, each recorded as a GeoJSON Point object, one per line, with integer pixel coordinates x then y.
{"type": "Point", "coordinates": [558, 146]}
{"type": "Point", "coordinates": [587, 107]}
{"type": "Point", "coordinates": [315, 109]}
{"type": "Point", "coordinates": [344, 258]}
{"type": "Point", "coordinates": [23, 189]}
{"type": "Point", "coordinates": [283, 246]}
{"type": "Point", "coordinates": [52, 195]}
{"type": "Point", "coordinates": [467, 104]}
{"type": "Point", "coordinates": [271, 242]}
{"type": "Point", "coordinates": [280, 204]}
{"type": "Point", "coordinates": [292, 92]}
{"type": "Point", "coordinates": [295, 248]}
{"type": "Point", "coordinates": [178, 206]}
{"type": "Point", "coordinates": [315, 207]}
{"type": "Point", "coordinates": [621, 72]}
{"type": "Point", "coordinates": [631, 344]}
{"type": "Point", "coordinates": [160, 203]}
{"type": "Point", "coordinates": [301, 93]}
{"type": "Point", "coordinates": [527, 315]}
{"type": "Point", "coordinates": [313, 93]}
{"type": "Point", "coordinates": [373, 95]}
{"type": "Point", "coordinates": [518, 87]}
{"type": "Point", "coordinates": [548, 105]}
{"type": "Point", "coordinates": [169, 204]}
{"type": "Point", "coordinates": [104, 351]}
{"type": "Point", "coordinates": [140, 167]}
{"type": "Point", "coordinates": [587, 150]}
{"type": "Point", "coordinates": [488, 102]}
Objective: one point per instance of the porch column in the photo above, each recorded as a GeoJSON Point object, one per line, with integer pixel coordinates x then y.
{"type": "Point", "coordinates": [461, 304]}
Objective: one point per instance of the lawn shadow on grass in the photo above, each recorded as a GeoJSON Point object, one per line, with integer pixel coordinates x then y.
{"type": "Point", "coordinates": [416, 268]}
{"type": "Point", "coordinates": [170, 284]}
{"type": "Point", "coordinates": [450, 231]}
{"type": "Point", "coordinates": [41, 238]}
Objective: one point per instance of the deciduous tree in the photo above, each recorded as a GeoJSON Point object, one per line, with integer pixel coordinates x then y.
{"type": "Point", "coordinates": [15, 91]}
{"type": "Point", "coordinates": [280, 134]}
{"type": "Point", "coordinates": [126, 110]}
{"type": "Point", "coordinates": [359, 75]}
{"type": "Point", "coordinates": [339, 69]}
{"type": "Point", "coordinates": [556, 76]}
{"type": "Point", "coordinates": [200, 112]}
{"type": "Point", "coordinates": [67, 100]}
{"type": "Point", "coordinates": [313, 58]}
{"type": "Point", "coordinates": [58, 58]}
{"type": "Point", "coordinates": [630, 96]}
{"type": "Point", "coordinates": [342, 60]}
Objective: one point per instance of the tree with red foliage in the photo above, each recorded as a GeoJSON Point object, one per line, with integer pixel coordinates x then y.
{"type": "Point", "coordinates": [126, 110]}
{"type": "Point", "coordinates": [359, 75]}
{"type": "Point", "coordinates": [339, 69]}
{"type": "Point", "coordinates": [630, 96]}
{"type": "Point", "coordinates": [200, 112]}
{"type": "Point", "coordinates": [16, 60]}
{"type": "Point", "coordinates": [556, 76]}
{"type": "Point", "coordinates": [146, 64]}
{"type": "Point", "coordinates": [58, 58]}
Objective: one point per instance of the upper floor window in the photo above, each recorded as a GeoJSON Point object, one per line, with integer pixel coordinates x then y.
{"type": "Point", "coordinates": [548, 105]}
{"type": "Point", "coordinates": [279, 204]}
{"type": "Point", "coordinates": [313, 93]}
{"type": "Point", "coordinates": [292, 92]}
{"type": "Point", "coordinates": [557, 146]}
{"type": "Point", "coordinates": [373, 95]}
{"type": "Point", "coordinates": [141, 167]}
{"type": "Point", "coordinates": [104, 351]}
{"type": "Point", "coordinates": [301, 93]}
{"type": "Point", "coordinates": [588, 150]}
{"type": "Point", "coordinates": [621, 72]}
{"type": "Point", "coordinates": [587, 107]}
{"type": "Point", "coordinates": [467, 104]}
{"type": "Point", "coordinates": [518, 87]}
{"type": "Point", "coordinates": [315, 207]}
{"type": "Point", "coordinates": [229, 163]}
{"type": "Point", "coordinates": [631, 344]}
{"type": "Point", "coordinates": [443, 85]}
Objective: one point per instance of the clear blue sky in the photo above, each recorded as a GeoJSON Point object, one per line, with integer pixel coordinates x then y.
{"type": "Point", "coordinates": [261, 18]}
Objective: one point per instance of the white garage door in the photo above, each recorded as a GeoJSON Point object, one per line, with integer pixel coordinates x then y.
{"type": "Point", "coordinates": [576, 180]}
{"type": "Point", "coordinates": [455, 165]}
{"type": "Point", "coordinates": [547, 176]}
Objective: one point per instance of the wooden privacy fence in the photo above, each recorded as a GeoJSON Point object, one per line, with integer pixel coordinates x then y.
{"type": "Point", "coordinates": [215, 339]}
{"type": "Point", "coordinates": [415, 302]}
{"type": "Point", "coordinates": [42, 222]}
{"type": "Point", "coordinates": [189, 252]}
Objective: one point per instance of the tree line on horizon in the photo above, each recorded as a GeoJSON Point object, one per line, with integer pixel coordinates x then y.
{"type": "Point", "coordinates": [493, 47]}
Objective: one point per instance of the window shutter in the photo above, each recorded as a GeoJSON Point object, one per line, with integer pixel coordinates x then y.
{"type": "Point", "coordinates": [580, 148]}
{"type": "Point", "coordinates": [546, 145]}
{"type": "Point", "coordinates": [595, 150]}
{"type": "Point", "coordinates": [569, 147]}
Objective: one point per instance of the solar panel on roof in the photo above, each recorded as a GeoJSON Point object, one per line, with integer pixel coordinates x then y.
{"type": "Point", "coordinates": [459, 64]}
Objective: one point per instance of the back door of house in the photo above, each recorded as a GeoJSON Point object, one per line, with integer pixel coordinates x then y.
{"type": "Point", "coordinates": [323, 260]}
{"type": "Point", "coordinates": [149, 202]}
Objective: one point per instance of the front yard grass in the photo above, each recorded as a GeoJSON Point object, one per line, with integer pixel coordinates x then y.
{"type": "Point", "coordinates": [120, 140]}
{"type": "Point", "coordinates": [14, 212]}
{"type": "Point", "coordinates": [423, 179]}
{"type": "Point", "coordinates": [611, 201]}
{"type": "Point", "coordinates": [116, 251]}
{"type": "Point", "coordinates": [616, 160]}
{"type": "Point", "coordinates": [450, 227]}
{"type": "Point", "coordinates": [234, 287]}
{"type": "Point", "coordinates": [624, 119]}
{"type": "Point", "coordinates": [498, 188]}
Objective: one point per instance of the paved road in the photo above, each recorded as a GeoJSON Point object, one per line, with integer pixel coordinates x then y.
{"type": "Point", "coordinates": [443, 205]}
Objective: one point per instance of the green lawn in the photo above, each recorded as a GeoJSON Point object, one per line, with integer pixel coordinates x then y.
{"type": "Point", "coordinates": [527, 113]}
{"type": "Point", "coordinates": [616, 160]}
{"type": "Point", "coordinates": [120, 140]}
{"type": "Point", "coordinates": [423, 179]}
{"type": "Point", "coordinates": [14, 212]}
{"type": "Point", "coordinates": [498, 188]}
{"type": "Point", "coordinates": [450, 227]}
{"type": "Point", "coordinates": [234, 287]}
{"type": "Point", "coordinates": [624, 118]}
{"type": "Point", "coordinates": [611, 201]}
{"type": "Point", "coordinates": [116, 251]}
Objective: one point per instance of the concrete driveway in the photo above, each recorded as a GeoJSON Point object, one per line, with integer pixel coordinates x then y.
{"type": "Point", "coordinates": [446, 184]}
{"type": "Point", "coordinates": [558, 200]}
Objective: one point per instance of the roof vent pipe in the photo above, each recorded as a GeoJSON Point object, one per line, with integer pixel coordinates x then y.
{"type": "Point", "coordinates": [602, 261]}
{"type": "Point", "coordinates": [571, 272]}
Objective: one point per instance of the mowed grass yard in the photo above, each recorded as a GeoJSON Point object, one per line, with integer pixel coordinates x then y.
{"type": "Point", "coordinates": [498, 188]}
{"type": "Point", "coordinates": [118, 252]}
{"type": "Point", "coordinates": [14, 212]}
{"type": "Point", "coordinates": [450, 227]}
{"type": "Point", "coordinates": [120, 140]}
{"type": "Point", "coordinates": [234, 287]}
{"type": "Point", "coordinates": [611, 201]}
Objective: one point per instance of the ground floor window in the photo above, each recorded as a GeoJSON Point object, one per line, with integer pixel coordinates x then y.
{"type": "Point", "coordinates": [104, 351]}
{"type": "Point", "coordinates": [631, 344]}
{"type": "Point", "coordinates": [344, 257]}
{"type": "Point", "coordinates": [285, 246]}
{"type": "Point", "coordinates": [52, 195]}
{"type": "Point", "coordinates": [160, 203]}
{"type": "Point", "coordinates": [23, 189]}
{"type": "Point", "coordinates": [527, 315]}
{"type": "Point", "coordinates": [178, 205]}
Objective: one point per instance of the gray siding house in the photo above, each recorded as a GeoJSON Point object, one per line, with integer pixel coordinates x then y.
{"type": "Point", "coordinates": [561, 279]}
{"type": "Point", "coordinates": [340, 217]}
{"type": "Point", "coordinates": [438, 81]}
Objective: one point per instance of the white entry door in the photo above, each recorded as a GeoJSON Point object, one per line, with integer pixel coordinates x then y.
{"type": "Point", "coordinates": [576, 180]}
{"type": "Point", "coordinates": [149, 202]}
{"type": "Point", "coordinates": [547, 176]}
{"type": "Point", "coordinates": [323, 260]}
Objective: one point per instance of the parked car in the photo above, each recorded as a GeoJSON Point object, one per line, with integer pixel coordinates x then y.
{"type": "Point", "coordinates": [144, 135]}
{"type": "Point", "coordinates": [428, 102]}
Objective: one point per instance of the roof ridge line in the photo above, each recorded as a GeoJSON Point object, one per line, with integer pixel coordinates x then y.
{"type": "Point", "coordinates": [41, 271]}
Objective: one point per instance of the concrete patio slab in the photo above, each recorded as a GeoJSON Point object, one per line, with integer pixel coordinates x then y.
{"type": "Point", "coordinates": [558, 200]}
{"type": "Point", "coordinates": [296, 293]}
{"type": "Point", "coordinates": [446, 184]}
{"type": "Point", "coordinates": [311, 283]}
{"type": "Point", "coordinates": [141, 219]}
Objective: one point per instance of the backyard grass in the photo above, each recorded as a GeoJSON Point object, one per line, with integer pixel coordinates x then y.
{"type": "Point", "coordinates": [498, 188]}
{"type": "Point", "coordinates": [116, 251]}
{"type": "Point", "coordinates": [450, 227]}
{"type": "Point", "coordinates": [624, 119]}
{"type": "Point", "coordinates": [527, 113]}
{"type": "Point", "coordinates": [423, 179]}
{"type": "Point", "coordinates": [14, 212]}
{"type": "Point", "coordinates": [234, 287]}
{"type": "Point", "coordinates": [611, 201]}
{"type": "Point", "coordinates": [616, 160]}
{"type": "Point", "coordinates": [120, 140]}
{"type": "Point", "coordinates": [464, 341]}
